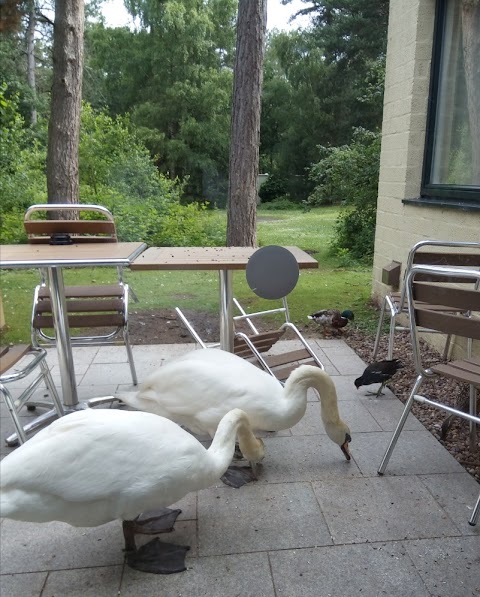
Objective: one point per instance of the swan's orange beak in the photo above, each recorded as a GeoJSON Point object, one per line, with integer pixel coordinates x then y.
{"type": "Point", "coordinates": [345, 448]}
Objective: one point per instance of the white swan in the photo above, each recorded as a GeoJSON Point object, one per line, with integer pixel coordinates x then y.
{"type": "Point", "coordinates": [95, 466]}
{"type": "Point", "coordinates": [198, 388]}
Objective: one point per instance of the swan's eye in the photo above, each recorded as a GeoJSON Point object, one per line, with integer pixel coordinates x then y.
{"type": "Point", "coordinates": [348, 437]}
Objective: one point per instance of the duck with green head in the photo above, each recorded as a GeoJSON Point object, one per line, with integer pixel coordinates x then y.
{"type": "Point", "coordinates": [332, 320]}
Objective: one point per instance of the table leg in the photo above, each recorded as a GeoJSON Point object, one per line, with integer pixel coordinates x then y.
{"type": "Point", "coordinates": [226, 310]}
{"type": "Point", "coordinates": [62, 335]}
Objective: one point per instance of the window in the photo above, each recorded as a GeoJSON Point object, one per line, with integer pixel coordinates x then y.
{"type": "Point", "coordinates": [452, 156]}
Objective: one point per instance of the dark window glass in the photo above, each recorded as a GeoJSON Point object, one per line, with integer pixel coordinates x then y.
{"type": "Point", "coordinates": [452, 164]}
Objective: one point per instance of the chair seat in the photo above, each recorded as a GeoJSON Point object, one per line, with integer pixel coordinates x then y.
{"type": "Point", "coordinates": [10, 355]}
{"type": "Point", "coordinates": [262, 342]}
{"type": "Point", "coordinates": [467, 370]}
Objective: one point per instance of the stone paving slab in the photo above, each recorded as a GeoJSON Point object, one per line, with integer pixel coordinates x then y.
{"type": "Point", "coordinates": [259, 517]}
{"type": "Point", "coordinates": [305, 458]}
{"type": "Point", "coordinates": [85, 582]}
{"type": "Point", "coordinates": [22, 585]}
{"type": "Point", "coordinates": [369, 570]}
{"type": "Point", "coordinates": [450, 567]}
{"type": "Point", "coordinates": [243, 575]}
{"type": "Point", "coordinates": [363, 510]}
{"type": "Point", "coordinates": [416, 453]}
{"type": "Point", "coordinates": [456, 493]}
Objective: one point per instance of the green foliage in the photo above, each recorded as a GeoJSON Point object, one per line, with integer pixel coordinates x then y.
{"type": "Point", "coordinates": [355, 234]}
{"type": "Point", "coordinates": [188, 226]}
{"type": "Point", "coordinates": [116, 171]}
{"type": "Point", "coordinates": [112, 156]}
{"type": "Point", "coordinates": [22, 159]}
{"type": "Point", "coordinates": [349, 175]}
{"type": "Point", "coordinates": [175, 77]}
{"type": "Point", "coordinates": [274, 187]}
{"type": "Point", "coordinates": [281, 204]}
{"type": "Point", "coordinates": [321, 82]}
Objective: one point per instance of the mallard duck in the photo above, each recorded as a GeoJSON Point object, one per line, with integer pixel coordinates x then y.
{"type": "Point", "coordinates": [378, 372]}
{"type": "Point", "coordinates": [332, 319]}
{"type": "Point", "coordinates": [94, 466]}
{"type": "Point", "coordinates": [198, 388]}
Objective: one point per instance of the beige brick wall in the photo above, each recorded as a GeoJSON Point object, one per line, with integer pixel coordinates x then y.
{"type": "Point", "coordinates": [399, 226]}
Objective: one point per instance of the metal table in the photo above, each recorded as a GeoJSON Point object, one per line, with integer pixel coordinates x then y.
{"type": "Point", "coordinates": [223, 259]}
{"type": "Point", "coordinates": [54, 258]}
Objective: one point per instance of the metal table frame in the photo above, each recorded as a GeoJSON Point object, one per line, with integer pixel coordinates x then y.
{"type": "Point", "coordinates": [223, 259]}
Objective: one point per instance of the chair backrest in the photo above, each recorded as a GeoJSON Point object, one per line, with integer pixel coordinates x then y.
{"type": "Point", "coordinates": [454, 254]}
{"type": "Point", "coordinates": [74, 228]}
{"type": "Point", "coordinates": [442, 307]}
{"type": "Point", "coordinates": [272, 272]}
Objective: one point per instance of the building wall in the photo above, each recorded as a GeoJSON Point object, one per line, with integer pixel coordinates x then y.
{"type": "Point", "coordinates": [399, 226]}
{"type": "Point", "coordinates": [407, 81]}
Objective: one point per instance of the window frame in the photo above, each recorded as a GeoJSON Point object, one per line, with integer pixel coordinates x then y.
{"type": "Point", "coordinates": [461, 196]}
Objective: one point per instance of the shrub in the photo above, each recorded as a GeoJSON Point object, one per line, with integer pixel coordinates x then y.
{"type": "Point", "coordinates": [349, 175]}
{"type": "Point", "coordinates": [274, 187]}
{"type": "Point", "coordinates": [282, 203]}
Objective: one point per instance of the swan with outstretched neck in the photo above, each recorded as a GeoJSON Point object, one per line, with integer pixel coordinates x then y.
{"type": "Point", "coordinates": [196, 389]}
{"type": "Point", "coordinates": [95, 466]}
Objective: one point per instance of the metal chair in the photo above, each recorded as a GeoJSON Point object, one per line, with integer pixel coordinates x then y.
{"type": "Point", "coordinates": [18, 362]}
{"type": "Point", "coordinates": [426, 252]}
{"type": "Point", "coordinates": [458, 318]}
{"type": "Point", "coordinates": [272, 273]}
{"type": "Point", "coordinates": [99, 307]}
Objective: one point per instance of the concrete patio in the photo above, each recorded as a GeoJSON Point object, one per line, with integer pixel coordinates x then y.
{"type": "Point", "coordinates": [312, 525]}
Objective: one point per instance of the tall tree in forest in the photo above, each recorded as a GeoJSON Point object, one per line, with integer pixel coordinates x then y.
{"type": "Point", "coordinates": [174, 73]}
{"type": "Point", "coordinates": [64, 124]}
{"type": "Point", "coordinates": [31, 75]}
{"type": "Point", "coordinates": [245, 127]}
{"type": "Point", "coordinates": [320, 83]}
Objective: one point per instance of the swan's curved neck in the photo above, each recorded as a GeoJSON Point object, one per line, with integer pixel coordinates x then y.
{"type": "Point", "coordinates": [223, 444]}
{"type": "Point", "coordinates": [321, 382]}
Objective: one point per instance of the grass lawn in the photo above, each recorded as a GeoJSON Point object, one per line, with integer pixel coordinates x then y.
{"type": "Point", "coordinates": [329, 286]}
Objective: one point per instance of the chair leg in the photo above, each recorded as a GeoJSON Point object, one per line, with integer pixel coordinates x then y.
{"type": "Point", "coordinates": [131, 362]}
{"type": "Point", "coordinates": [400, 424]}
{"type": "Point", "coordinates": [391, 337]}
{"type": "Point", "coordinates": [473, 425]}
{"type": "Point", "coordinates": [476, 511]}
{"type": "Point", "coordinates": [379, 329]}
{"type": "Point", "coordinates": [9, 401]}
{"type": "Point", "coordinates": [47, 376]}
{"type": "Point", "coordinates": [33, 426]}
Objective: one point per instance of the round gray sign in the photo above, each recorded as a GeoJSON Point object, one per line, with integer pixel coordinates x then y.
{"type": "Point", "coordinates": [272, 272]}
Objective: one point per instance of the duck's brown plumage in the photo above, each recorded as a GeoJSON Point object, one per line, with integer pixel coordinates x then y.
{"type": "Point", "coordinates": [332, 319]}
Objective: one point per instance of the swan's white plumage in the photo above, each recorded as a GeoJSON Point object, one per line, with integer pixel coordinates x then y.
{"type": "Point", "coordinates": [196, 389]}
{"type": "Point", "coordinates": [94, 466]}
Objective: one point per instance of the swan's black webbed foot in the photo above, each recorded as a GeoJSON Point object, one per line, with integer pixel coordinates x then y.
{"type": "Point", "coordinates": [237, 476]}
{"type": "Point", "coordinates": [158, 557]}
{"type": "Point", "coordinates": [156, 521]}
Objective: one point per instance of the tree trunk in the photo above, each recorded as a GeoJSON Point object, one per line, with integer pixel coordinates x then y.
{"type": "Point", "coordinates": [31, 58]}
{"type": "Point", "coordinates": [471, 61]}
{"type": "Point", "coordinates": [64, 125]}
{"type": "Point", "coordinates": [245, 124]}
